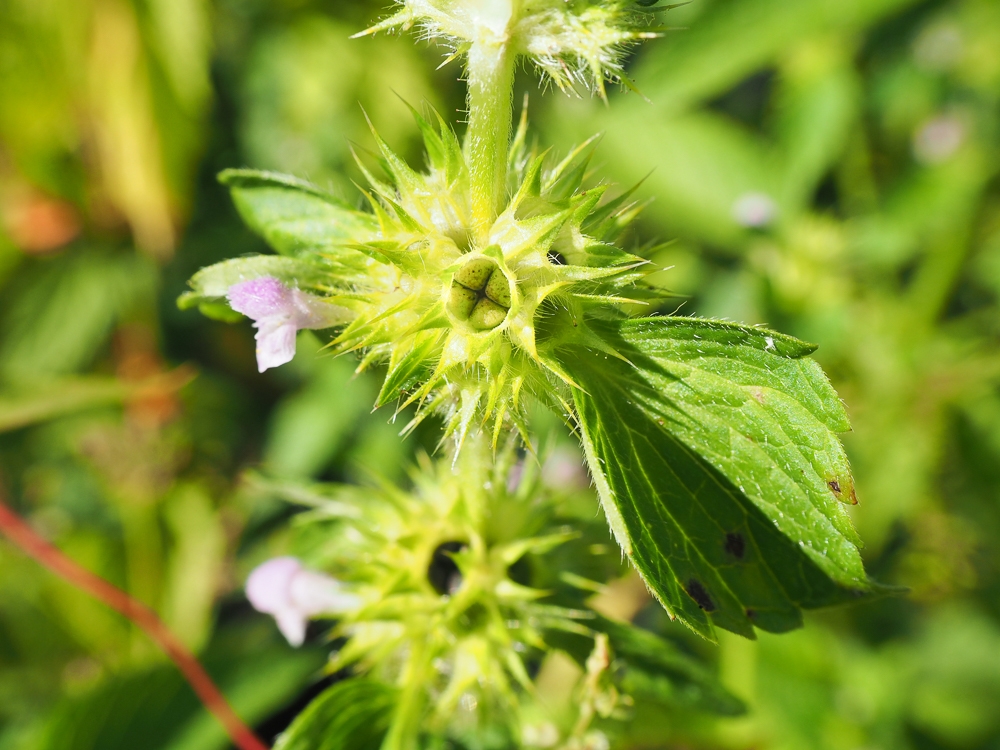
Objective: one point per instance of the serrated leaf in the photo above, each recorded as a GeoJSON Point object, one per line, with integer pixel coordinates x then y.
{"type": "Point", "coordinates": [351, 715]}
{"type": "Point", "coordinates": [294, 216]}
{"type": "Point", "coordinates": [712, 447]}
{"type": "Point", "coordinates": [651, 668]}
{"type": "Point", "coordinates": [210, 284]}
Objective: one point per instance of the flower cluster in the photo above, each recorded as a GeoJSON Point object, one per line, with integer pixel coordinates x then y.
{"type": "Point", "coordinates": [435, 590]}
{"type": "Point", "coordinates": [575, 43]}
{"type": "Point", "coordinates": [453, 310]}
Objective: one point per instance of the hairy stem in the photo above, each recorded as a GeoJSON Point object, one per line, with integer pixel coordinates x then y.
{"type": "Point", "coordinates": [22, 535]}
{"type": "Point", "coordinates": [490, 71]}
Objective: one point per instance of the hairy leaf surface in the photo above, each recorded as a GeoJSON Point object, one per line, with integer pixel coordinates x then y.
{"type": "Point", "coordinates": [294, 216]}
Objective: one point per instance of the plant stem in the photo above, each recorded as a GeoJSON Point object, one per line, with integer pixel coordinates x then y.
{"type": "Point", "coordinates": [22, 535]}
{"type": "Point", "coordinates": [405, 726]}
{"type": "Point", "coordinates": [490, 71]}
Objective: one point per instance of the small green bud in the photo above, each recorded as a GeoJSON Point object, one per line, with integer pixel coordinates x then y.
{"type": "Point", "coordinates": [480, 294]}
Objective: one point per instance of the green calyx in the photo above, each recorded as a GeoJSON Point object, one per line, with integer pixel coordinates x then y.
{"type": "Point", "coordinates": [480, 294]}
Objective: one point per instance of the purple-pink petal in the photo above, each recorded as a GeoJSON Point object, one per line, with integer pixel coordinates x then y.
{"type": "Point", "coordinates": [261, 298]}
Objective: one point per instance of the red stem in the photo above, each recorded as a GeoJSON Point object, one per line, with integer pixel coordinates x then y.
{"type": "Point", "coordinates": [22, 535]}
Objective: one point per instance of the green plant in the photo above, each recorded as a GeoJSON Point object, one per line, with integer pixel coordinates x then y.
{"type": "Point", "coordinates": [492, 280]}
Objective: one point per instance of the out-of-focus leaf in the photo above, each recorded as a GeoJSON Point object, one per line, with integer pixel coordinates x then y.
{"type": "Point", "coordinates": [739, 37]}
{"type": "Point", "coordinates": [194, 568]}
{"type": "Point", "coordinates": [351, 715]}
{"type": "Point", "coordinates": [292, 215]}
{"type": "Point", "coordinates": [816, 105]}
{"type": "Point", "coordinates": [713, 451]}
{"type": "Point", "coordinates": [156, 710]}
{"type": "Point", "coordinates": [651, 668]}
{"type": "Point", "coordinates": [696, 166]}
{"type": "Point", "coordinates": [308, 86]}
{"type": "Point", "coordinates": [60, 318]}
{"type": "Point", "coordinates": [256, 688]}
{"type": "Point", "coordinates": [310, 426]}
{"type": "Point", "coordinates": [56, 398]}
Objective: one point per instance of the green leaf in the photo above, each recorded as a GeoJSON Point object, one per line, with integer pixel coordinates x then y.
{"type": "Point", "coordinates": [155, 709]}
{"type": "Point", "coordinates": [310, 426]}
{"type": "Point", "coordinates": [294, 216]}
{"type": "Point", "coordinates": [713, 449]}
{"type": "Point", "coordinates": [209, 285]}
{"type": "Point", "coordinates": [351, 715]}
{"type": "Point", "coordinates": [651, 668]}
{"type": "Point", "coordinates": [59, 397]}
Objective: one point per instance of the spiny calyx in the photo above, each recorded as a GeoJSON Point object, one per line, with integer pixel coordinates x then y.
{"type": "Point", "coordinates": [449, 306]}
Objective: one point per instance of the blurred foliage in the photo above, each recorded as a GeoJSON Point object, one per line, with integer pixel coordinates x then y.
{"type": "Point", "coordinates": [829, 169]}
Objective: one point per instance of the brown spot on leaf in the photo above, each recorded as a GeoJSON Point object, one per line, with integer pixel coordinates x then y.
{"type": "Point", "coordinates": [751, 614]}
{"type": "Point", "coordinates": [700, 595]}
{"type": "Point", "coordinates": [838, 491]}
{"type": "Point", "coordinates": [736, 545]}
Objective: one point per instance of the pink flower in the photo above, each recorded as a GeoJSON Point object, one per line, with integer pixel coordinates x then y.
{"type": "Point", "coordinates": [280, 311]}
{"type": "Point", "coordinates": [292, 595]}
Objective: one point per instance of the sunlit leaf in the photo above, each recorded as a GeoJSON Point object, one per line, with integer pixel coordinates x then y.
{"type": "Point", "coordinates": [714, 454]}
{"type": "Point", "coordinates": [292, 215]}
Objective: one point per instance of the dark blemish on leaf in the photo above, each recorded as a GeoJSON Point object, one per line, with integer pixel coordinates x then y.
{"type": "Point", "coordinates": [838, 491]}
{"type": "Point", "coordinates": [751, 614]}
{"type": "Point", "coordinates": [700, 595]}
{"type": "Point", "coordinates": [736, 545]}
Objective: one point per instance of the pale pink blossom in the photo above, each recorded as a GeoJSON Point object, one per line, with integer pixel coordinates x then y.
{"type": "Point", "coordinates": [293, 595]}
{"type": "Point", "coordinates": [279, 312]}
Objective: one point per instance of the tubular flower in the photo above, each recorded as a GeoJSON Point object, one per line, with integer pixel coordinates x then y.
{"type": "Point", "coordinates": [280, 312]}
{"type": "Point", "coordinates": [457, 312]}
{"type": "Point", "coordinates": [281, 587]}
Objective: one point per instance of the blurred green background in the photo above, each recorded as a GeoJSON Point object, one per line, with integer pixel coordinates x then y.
{"type": "Point", "coordinates": [826, 168]}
